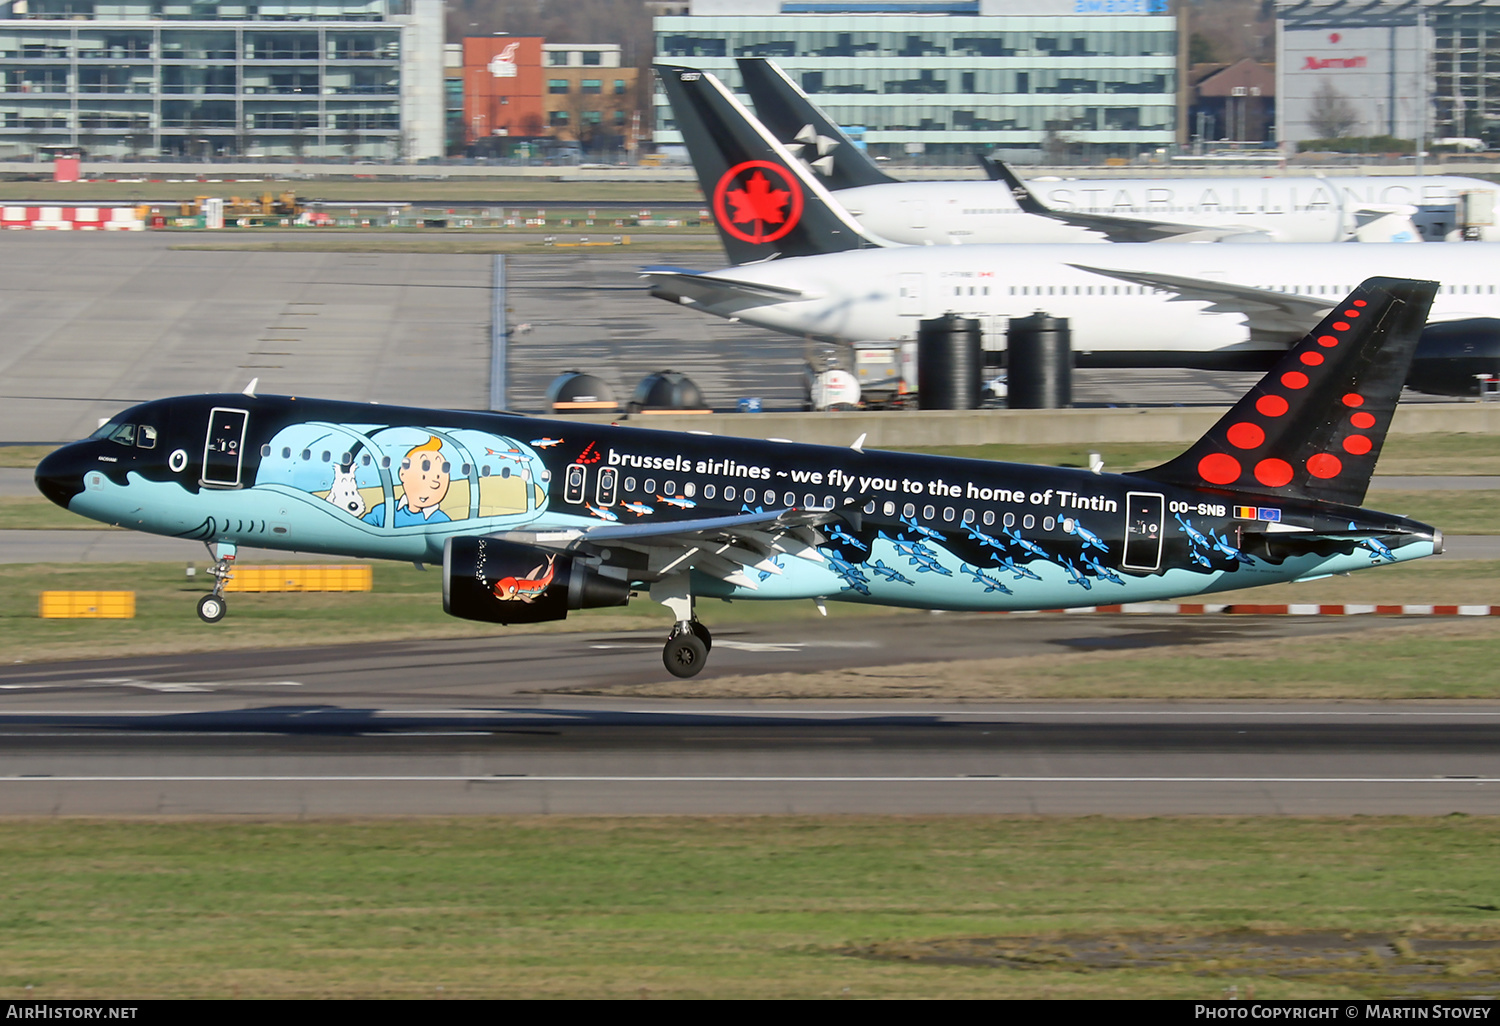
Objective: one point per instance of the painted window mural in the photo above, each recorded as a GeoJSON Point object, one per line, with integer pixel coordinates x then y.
{"type": "Point", "coordinates": [400, 478]}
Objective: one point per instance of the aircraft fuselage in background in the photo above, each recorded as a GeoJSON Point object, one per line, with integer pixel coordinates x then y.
{"type": "Point", "coordinates": [1299, 209]}
{"type": "Point", "coordinates": [882, 294]}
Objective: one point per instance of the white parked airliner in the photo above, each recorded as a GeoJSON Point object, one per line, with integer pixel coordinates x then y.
{"type": "Point", "coordinates": [805, 267]}
{"type": "Point", "coordinates": [1398, 208]}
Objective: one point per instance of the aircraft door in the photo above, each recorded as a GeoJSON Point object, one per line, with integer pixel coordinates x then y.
{"type": "Point", "coordinates": [574, 483]}
{"type": "Point", "coordinates": [606, 489]}
{"type": "Point", "coordinates": [909, 299]}
{"type": "Point", "coordinates": [1144, 514]}
{"type": "Point", "coordinates": [224, 448]}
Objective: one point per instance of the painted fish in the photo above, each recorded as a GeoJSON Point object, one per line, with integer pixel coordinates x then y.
{"type": "Point", "coordinates": [602, 514]}
{"type": "Point", "coordinates": [980, 577]}
{"type": "Point", "coordinates": [546, 443]}
{"type": "Point", "coordinates": [1073, 527]}
{"type": "Point", "coordinates": [640, 509]}
{"type": "Point", "coordinates": [890, 573]}
{"type": "Point", "coordinates": [677, 500]}
{"type": "Point", "coordinates": [528, 588]}
{"type": "Point", "coordinates": [839, 534]}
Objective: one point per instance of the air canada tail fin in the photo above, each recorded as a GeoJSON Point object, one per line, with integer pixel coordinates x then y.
{"type": "Point", "coordinates": [802, 127]}
{"type": "Point", "coordinates": [1312, 428]}
{"type": "Point", "coordinates": [764, 202]}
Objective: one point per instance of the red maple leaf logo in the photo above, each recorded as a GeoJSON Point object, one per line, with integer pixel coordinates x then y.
{"type": "Point", "coordinates": [758, 201]}
{"type": "Point", "coordinates": [760, 195]}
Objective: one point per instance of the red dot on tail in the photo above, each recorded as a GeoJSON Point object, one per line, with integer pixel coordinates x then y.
{"type": "Point", "coordinates": [1245, 435]}
{"type": "Point", "coordinates": [1351, 313]}
{"type": "Point", "coordinates": [1324, 465]}
{"type": "Point", "coordinates": [1271, 405]}
{"type": "Point", "coordinates": [1273, 473]}
{"type": "Point", "coordinates": [1294, 379]}
{"type": "Point", "coordinates": [1363, 421]}
{"type": "Point", "coordinates": [1354, 399]}
{"type": "Point", "coordinates": [1360, 302]}
{"type": "Point", "coordinates": [1340, 325]}
{"type": "Point", "coordinates": [1327, 340]}
{"type": "Point", "coordinates": [1311, 359]}
{"type": "Point", "coordinates": [1357, 444]}
{"type": "Point", "coordinates": [1219, 468]}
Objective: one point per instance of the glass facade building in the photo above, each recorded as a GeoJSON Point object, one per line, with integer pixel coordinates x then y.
{"type": "Point", "coordinates": [953, 77]}
{"type": "Point", "coordinates": [356, 78]}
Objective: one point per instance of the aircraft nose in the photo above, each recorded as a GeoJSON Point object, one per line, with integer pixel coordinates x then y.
{"type": "Point", "coordinates": [60, 476]}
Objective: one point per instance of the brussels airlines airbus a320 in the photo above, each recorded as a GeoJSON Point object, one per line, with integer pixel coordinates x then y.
{"type": "Point", "coordinates": [534, 518]}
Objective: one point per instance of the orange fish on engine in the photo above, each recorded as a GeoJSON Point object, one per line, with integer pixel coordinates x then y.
{"type": "Point", "coordinates": [528, 588]}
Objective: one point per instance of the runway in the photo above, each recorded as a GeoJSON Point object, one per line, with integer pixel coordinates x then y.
{"type": "Point", "coordinates": [478, 727]}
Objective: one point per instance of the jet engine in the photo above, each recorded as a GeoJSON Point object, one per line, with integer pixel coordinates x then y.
{"type": "Point", "coordinates": [1451, 353]}
{"type": "Point", "coordinates": [503, 582]}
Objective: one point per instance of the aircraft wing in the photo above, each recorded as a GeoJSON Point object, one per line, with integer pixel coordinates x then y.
{"type": "Point", "coordinates": [724, 547]}
{"type": "Point", "coordinates": [1118, 228]}
{"type": "Point", "coordinates": [688, 287]}
{"type": "Point", "coordinates": [1266, 312]}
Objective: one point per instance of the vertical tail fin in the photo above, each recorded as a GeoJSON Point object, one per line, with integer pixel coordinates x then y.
{"type": "Point", "coordinates": [801, 126]}
{"type": "Point", "coordinates": [764, 202]}
{"type": "Point", "coordinates": [1313, 427]}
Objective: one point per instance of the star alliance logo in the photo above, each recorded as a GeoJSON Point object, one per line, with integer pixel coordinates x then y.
{"type": "Point", "coordinates": [821, 145]}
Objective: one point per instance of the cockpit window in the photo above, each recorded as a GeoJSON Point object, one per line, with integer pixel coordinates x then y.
{"type": "Point", "coordinates": [146, 437]}
{"type": "Point", "coordinates": [124, 434]}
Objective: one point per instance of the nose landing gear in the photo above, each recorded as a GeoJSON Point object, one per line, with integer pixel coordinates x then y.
{"type": "Point", "coordinates": [212, 607]}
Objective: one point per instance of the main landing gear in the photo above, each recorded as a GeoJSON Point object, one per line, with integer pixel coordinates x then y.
{"type": "Point", "coordinates": [212, 607]}
{"type": "Point", "coordinates": [686, 652]}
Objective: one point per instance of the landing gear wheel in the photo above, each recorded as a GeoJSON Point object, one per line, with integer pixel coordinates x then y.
{"type": "Point", "coordinates": [685, 654]}
{"type": "Point", "coordinates": [703, 635]}
{"type": "Point", "coordinates": [211, 608]}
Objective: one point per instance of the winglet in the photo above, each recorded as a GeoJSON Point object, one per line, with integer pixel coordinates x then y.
{"type": "Point", "coordinates": [250, 388]}
{"type": "Point", "coordinates": [859, 443]}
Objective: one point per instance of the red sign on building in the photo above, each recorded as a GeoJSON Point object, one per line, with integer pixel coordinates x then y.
{"type": "Point", "coordinates": [503, 87]}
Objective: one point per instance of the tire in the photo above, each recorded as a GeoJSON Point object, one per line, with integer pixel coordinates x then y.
{"type": "Point", "coordinates": [703, 635]}
{"type": "Point", "coordinates": [685, 655]}
{"type": "Point", "coordinates": [211, 608]}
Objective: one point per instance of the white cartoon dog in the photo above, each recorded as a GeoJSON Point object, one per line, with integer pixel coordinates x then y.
{"type": "Point", "coordinates": [345, 493]}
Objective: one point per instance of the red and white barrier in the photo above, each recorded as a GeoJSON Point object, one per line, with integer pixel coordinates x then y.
{"type": "Point", "coordinates": [72, 219]}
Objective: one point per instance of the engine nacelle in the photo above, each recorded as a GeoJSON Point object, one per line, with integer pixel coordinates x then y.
{"type": "Point", "coordinates": [1452, 352]}
{"type": "Point", "coordinates": [502, 582]}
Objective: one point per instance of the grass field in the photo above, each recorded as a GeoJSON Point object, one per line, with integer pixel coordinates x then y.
{"type": "Point", "coordinates": [748, 907]}
{"type": "Point", "coordinates": [419, 241]}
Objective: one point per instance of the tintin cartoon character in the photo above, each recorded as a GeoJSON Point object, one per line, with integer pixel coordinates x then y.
{"type": "Point", "coordinates": [424, 478]}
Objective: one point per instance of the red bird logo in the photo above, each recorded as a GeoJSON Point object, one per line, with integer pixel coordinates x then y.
{"type": "Point", "coordinates": [766, 201]}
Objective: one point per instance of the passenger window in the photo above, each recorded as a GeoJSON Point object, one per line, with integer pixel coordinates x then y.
{"type": "Point", "coordinates": [484, 471]}
{"type": "Point", "coordinates": [810, 501]}
{"type": "Point", "coordinates": [948, 514]}
{"type": "Point", "coordinates": [789, 499]}
{"type": "Point", "coordinates": [709, 491]}
{"type": "Point", "coordinates": [464, 469]}
{"type": "Point", "coordinates": [928, 512]}
{"type": "Point", "coordinates": [385, 463]}
{"type": "Point", "coordinates": [327, 456]}
{"type": "Point", "coordinates": [889, 509]}
{"type": "Point", "coordinates": [729, 493]}
{"type": "Point", "coordinates": [265, 452]}
{"type": "Point", "coordinates": [749, 494]}
{"type": "Point", "coordinates": [870, 507]}
{"type": "Point", "coordinates": [989, 518]}
{"type": "Point", "coordinates": [908, 510]}
{"type": "Point", "coordinates": [1048, 524]}
{"type": "Point", "coordinates": [968, 516]}
{"type": "Point", "coordinates": [1010, 520]}
{"type": "Point", "coordinates": [630, 484]}
{"type": "Point", "coordinates": [147, 438]}
{"type": "Point", "coordinates": [286, 452]}
{"type": "Point", "coordinates": [689, 489]}
{"type": "Point", "coordinates": [650, 484]}
{"type": "Point", "coordinates": [1029, 522]}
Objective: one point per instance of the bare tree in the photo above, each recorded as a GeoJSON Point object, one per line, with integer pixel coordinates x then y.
{"type": "Point", "coordinates": [1332, 116]}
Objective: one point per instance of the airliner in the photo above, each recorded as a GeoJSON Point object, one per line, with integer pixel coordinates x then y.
{"type": "Point", "coordinates": [522, 512]}
{"type": "Point", "coordinates": [806, 267]}
{"type": "Point", "coordinates": [1245, 209]}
